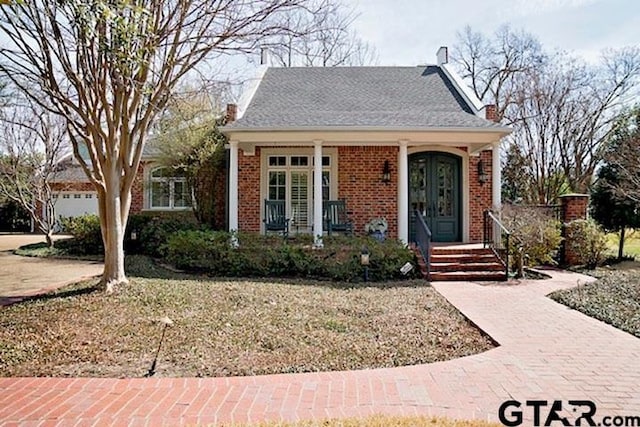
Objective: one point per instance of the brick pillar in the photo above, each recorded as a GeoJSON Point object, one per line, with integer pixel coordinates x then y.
{"type": "Point", "coordinates": [574, 206]}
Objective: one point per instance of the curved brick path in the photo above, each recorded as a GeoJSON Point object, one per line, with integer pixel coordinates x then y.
{"type": "Point", "coordinates": [547, 352]}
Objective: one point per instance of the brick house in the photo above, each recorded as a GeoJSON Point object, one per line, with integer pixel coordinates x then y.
{"type": "Point", "coordinates": [156, 189]}
{"type": "Point", "coordinates": [389, 141]}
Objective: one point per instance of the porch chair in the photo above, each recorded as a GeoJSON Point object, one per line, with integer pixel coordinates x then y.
{"type": "Point", "coordinates": [336, 217]}
{"type": "Point", "coordinates": [275, 217]}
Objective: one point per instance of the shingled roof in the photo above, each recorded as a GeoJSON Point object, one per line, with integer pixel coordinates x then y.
{"type": "Point", "coordinates": [359, 97]}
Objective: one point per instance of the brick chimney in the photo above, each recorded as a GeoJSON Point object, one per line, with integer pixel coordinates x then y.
{"type": "Point", "coordinates": [443, 55]}
{"type": "Point", "coordinates": [491, 113]}
{"type": "Point", "coordinates": [232, 113]}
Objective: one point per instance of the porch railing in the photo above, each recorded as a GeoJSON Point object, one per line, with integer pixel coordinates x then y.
{"type": "Point", "coordinates": [497, 238]}
{"type": "Point", "coordinates": [423, 240]}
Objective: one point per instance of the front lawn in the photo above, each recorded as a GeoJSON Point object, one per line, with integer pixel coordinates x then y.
{"type": "Point", "coordinates": [230, 327]}
{"type": "Point", "coordinates": [614, 299]}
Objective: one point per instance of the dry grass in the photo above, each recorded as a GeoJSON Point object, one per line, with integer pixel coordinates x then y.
{"type": "Point", "coordinates": [227, 328]}
{"type": "Point", "coordinates": [383, 421]}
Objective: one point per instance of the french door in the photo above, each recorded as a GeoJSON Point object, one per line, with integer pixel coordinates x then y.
{"type": "Point", "coordinates": [434, 191]}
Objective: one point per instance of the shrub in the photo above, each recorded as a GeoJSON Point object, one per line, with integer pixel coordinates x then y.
{"type": "Point", "coordinates": [87, 237]}
{"type": "Point", "coordinates": [535, 230]}
{"type": "Point", "coordinates": [264, 256]}
{"type": "Point", "coordinates": [152, 232]}
{"type": "Point", "coordinates": [587, 241]}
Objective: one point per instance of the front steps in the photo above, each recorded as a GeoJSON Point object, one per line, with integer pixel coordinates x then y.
{"type": "Point", "coordinates": [463, 264]}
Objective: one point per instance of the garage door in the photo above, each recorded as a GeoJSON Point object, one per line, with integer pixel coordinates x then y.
{"type": "Point", "coordinates": [76, 203]}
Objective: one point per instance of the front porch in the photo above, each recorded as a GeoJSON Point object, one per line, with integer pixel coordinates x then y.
{"type": "Point", "coordinates": [375, 181]}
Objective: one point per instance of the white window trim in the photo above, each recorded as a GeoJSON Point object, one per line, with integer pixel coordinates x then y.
{"type": "Point", "coordinates": [265, 153]}
{"type": "Point", "coordinates": [149, 179]}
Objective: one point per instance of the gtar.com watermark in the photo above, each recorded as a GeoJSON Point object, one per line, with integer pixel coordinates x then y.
{"type": "Point", "coordinates": [549, 413]}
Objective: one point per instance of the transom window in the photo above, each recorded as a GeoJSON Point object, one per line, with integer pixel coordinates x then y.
{"type": "Point", "coordinates": [169, 189]}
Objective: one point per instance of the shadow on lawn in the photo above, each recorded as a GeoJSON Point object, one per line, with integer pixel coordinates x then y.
{"type": "Point", "coordinates": [78, 289]}
{"type": "Point", "coordinates": [148, 268]}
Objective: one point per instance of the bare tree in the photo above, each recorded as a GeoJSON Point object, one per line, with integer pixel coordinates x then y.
{"type": "Point", "coordinates": [493, 66]}
{"type": "Point", "coordinates": [32, 142]}
{"type": "Point", "coordinates": [108, 67]}
{"type": "Point", "coordinates": [623, 156]}
{"type": "Point", "coordinates": [329, 41]}
{"type": "Point", "coordinates": [562, 109]}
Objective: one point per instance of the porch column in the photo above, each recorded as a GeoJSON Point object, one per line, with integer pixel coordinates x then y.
{"type": "Point", "coordinates": [403, 193]}
{"type": "Point", "coordinates": [233, 186]}
{"type": "Point", "coordinates": [496, 177]}
{"type": "Point", "coordinates": [317, 193]}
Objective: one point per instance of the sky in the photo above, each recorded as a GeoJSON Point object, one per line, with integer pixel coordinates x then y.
{"type": "Point", "coordinates": [409, 32]}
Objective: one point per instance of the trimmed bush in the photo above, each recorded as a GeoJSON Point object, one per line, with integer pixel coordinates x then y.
{"type": "Point", "coordinates": [87, 237]}
{"type": "Point", "coordinates": [587, 241]}
{"type": "Point", "coordinates": [152, 232]}
{"type": "Point", "coordinates": [536, 231]}
{"type": "Point", "coordinates": [267, 256]}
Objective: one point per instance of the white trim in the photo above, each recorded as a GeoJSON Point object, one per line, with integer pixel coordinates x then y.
{"type": "Point", "coordinates": [233, 186]}
{"type": "Point", "coordinates": [463, 89]}
{"type": "Point", "coordinates": [403, 192]}
{"type": "Point", "coordinates": [495, 129]}
{"type": "Point", "coordinates": [496, 178]}
{"type": "Point", "coordinates": [317, 194]}
{"type": "Point", "coordinates": [249, 93]}
{"type": "Point", "coordinates": [146, 190]}
{"type": "Point", "coordinates": [464, 155]}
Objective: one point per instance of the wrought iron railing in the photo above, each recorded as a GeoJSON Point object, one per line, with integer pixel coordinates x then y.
{"type": "Point", "coordinates": [423, 240]}
{"type": "Point", "coordinates": [497, 238]}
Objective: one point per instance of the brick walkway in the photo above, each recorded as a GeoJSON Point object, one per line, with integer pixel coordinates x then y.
{"type": "Point", "coordinates": [547, 352]}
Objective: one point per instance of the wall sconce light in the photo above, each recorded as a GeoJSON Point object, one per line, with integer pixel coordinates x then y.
{"type": "Point", "coordinates": [482, 173]}
{"type": "Point", "coordinates": [386, 172]}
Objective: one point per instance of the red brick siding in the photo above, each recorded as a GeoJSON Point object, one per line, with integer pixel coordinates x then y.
{"type": "Point", "coordinates": [249, 215]}
{"type": "Point", "coordinates": [480, 195]}
{"type": "Point", "coordinates": [360, 183]}
{"type": "Point", "coordinates": [137, 191]}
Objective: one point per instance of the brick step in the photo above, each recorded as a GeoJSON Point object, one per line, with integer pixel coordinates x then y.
{"type": "Point", "coordinates": [451, 251]}
{"type": "Point", "coordinates": [462, 276]}
{"type": "Point", "coordinates": [463, 258]}
{"type": "Point", "coordinates": [469, 266]}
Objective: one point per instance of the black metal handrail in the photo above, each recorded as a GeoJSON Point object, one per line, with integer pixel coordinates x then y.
{"type": "Point", "coordinates": [497, 237]}
{"type": "Point", "coordinates": [423, 240]}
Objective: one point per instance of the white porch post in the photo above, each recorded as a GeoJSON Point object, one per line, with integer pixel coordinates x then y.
{"type": "Point", "coordinates": [403, 193]}
{"type": "Point", "coordinates": [496, 177]}
{"type": "Point", "coordinates": [317, 193]}
{"type": "Point", "coordinates": [233, 186]}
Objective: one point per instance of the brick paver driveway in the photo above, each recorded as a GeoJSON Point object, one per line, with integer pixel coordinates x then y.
{"type": "Point", "coordinates": [547, 352]}
{"type": "Point", "coordinates": [25, 276]}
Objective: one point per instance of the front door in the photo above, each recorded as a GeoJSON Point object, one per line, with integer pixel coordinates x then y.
{"type": "Point", "coordinates": [434, 190]}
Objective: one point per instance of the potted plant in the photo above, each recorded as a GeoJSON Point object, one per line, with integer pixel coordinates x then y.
{"type": "Point", "coordinates": [377, 228]}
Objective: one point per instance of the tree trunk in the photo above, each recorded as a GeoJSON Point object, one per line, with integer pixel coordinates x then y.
{"type": "Point", "coordinates": [49, 238]}
{"type": "Point", "coordinates": [111, 221]}
{"type": "Point", "coordinates": [621, 244]}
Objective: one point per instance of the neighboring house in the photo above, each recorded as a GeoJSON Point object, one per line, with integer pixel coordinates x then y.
{"type": "Point", "coordinates": [387, 140]}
